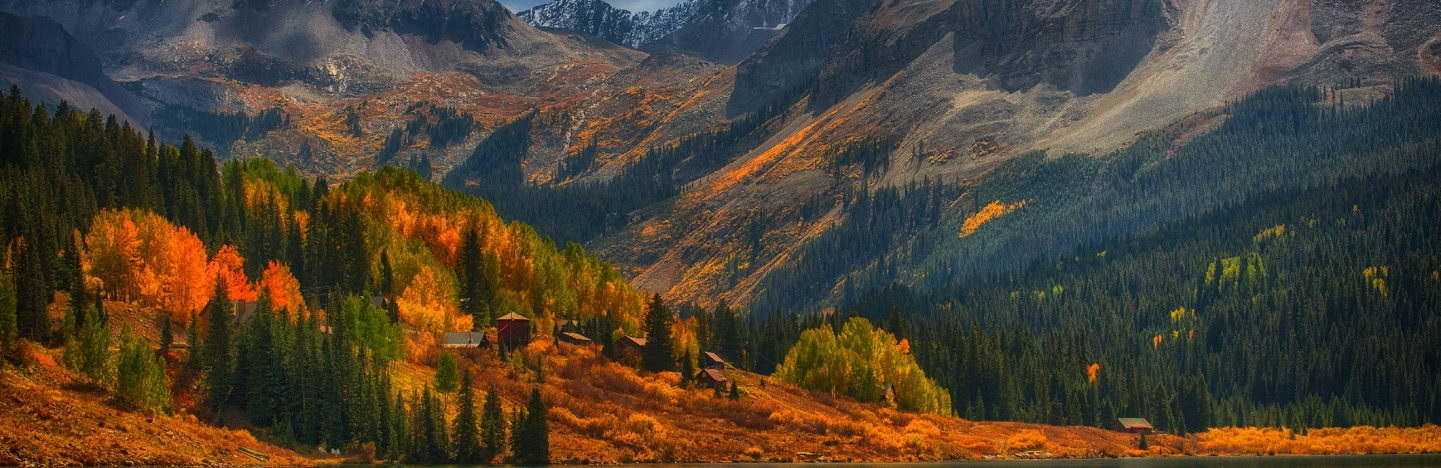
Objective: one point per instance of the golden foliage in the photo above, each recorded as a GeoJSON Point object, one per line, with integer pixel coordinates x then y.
{"type": "Point", "coordinates": [1376, 276]}
{"type": "Point", "coordinates": [136, 255]}
{"type": "Point", "coordinates": [282, 288]}
{"type": "Point", "coordinates": [1092, 371]}
{"type": "Point", "coordinates": [428, 304]}
{"type": "Point", "coordinates": [1273, 232]}
{"type": "Point", "coordinates": [229, 267]}
{"type": "Point", "coordinates": [991, 211]}
{"type": "Point", "coordinates": [1330, 441]}
{"type": "Point", "coordinates": [1025, 440]}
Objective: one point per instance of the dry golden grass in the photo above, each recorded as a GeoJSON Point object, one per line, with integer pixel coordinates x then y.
{"type": "Point", "coordinates": [48, 418]}
{"type": "Point", "coordinates": [1330, 441]}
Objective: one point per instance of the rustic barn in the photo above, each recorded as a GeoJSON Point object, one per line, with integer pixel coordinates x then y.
{"type": "Point", "coordinates": [1133, 425]}
{"type": "Point", "coordinates": [378, 301]}
{"type": "Point", "coordinates": [628, 349]}
{"type": "Point", "coordinates": [712, 378]}
{"type": "Point", "coordinates": [512, 329]}
{"type": "Point", "coordinates": [574, 338]}
{"type": "Point", "coordinates": [464, 340]}
{"type": "Point", "coordinates": [709, 360]}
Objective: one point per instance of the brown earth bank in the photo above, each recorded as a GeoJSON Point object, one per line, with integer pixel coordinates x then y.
{"type": "Point", "coordinates": [604, 412]}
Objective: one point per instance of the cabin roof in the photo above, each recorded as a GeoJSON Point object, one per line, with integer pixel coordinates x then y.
{"type": "Point", "coordinates": [574, 336]}
{"type": "Point", "coordinates": [714, 357]}
{"type": "Point", "coordinates": [463, 339]}
{"type": "Point", "coordinates": [715, 374]}
{"type": "Point", "coordinates": [1134, 423]}
{"type": "Point", "coordinates": [512, 316]}
{"type": "Point", "coordinates": [638, 341]}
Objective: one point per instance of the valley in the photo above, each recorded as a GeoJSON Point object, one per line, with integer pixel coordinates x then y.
{"type": "Point", "coordinates": [913, 230]}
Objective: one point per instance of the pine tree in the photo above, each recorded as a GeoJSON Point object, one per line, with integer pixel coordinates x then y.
{"type": "Point", "coordinates": [140, 375]}
{"type": "Point", "coordinates": [95, 350]}
{"type": "Point", "coordinates": [474, 286]}
{"type": "Point", "coordinates": [467, 437]}
{"type": "Point", "coordinates": [218, 360]}
{"type": "Point", "coordinates": [446, 373]}
{"type": "Point", "coordinates": [399, 430]}
{"type": "Point", "coordinates": [735, 391]}
{"type": "Point", "coordinates": [687, 370]}
{"type": "Point", "coordinates": [194, 360]}
{"type": "Point", "coordinates": [492, 428]}
{"type": "Point", "coordinates": [167, 336]}
{"type": "Point", "coordinates": [8, 329]}
{"type": "Point", "coordinates": [533, 445]}
{"type": "Point", "coordinates": [657, 355]}
{"type": "Point", "coordinates": [387, 287]}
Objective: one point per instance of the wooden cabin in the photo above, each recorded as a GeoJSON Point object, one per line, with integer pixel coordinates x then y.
{"type": "Point", "coordinates": [628, 349]}
{"type": "Point", "coordinates": [512, 329]}
{"type": "Point", "coordinates": [709, 360]}
{"type": "Point", "coordinates": [574, 338]}
{"type": "Point", "coordinates": [1133, 426]}
{"type": "Point", "coordinates": [712, 378]}
{"type": "Point", "coordinates": [378, 301]}
{"type": "Point", "coordinates": [464, 340]}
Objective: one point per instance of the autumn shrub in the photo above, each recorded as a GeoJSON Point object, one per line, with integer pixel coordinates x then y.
{"type": "Point", "coordinates": [1026, 440]}
{"type": "Point", "coordinates": [616, 378]}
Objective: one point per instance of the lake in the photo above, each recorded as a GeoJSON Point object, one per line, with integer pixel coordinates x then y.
{"type": "Point", "coordinates": [1340, 461]}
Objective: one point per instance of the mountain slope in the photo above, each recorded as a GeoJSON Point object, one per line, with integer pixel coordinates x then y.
{"type": "Point", "coordinates": [950, 90]}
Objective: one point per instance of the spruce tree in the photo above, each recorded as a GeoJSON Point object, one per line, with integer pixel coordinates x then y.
{"type": "Point", "coordinates": [8, 330]}
{"type": "Point", "coordinates": [446, 373]}
{"type": "Point", "coordinates": [467, 436]}
{"type": "Point", "coordinates": [687, 370]}
{"type": "Point", "coordinates": [492, 428]}
{"type": "Point", "coordinates": [536, 449]}
{"type": "Point", "coordinates": [657, 355]}
{"type": "Point", "coordinates": [387, 287]}
{"type": "Point", "coordinates": [218, 362]}
{"type": "Point", "coordinates": [167, 336]}
{"type": "Point", "coordinates": [194, 361]}
{"type": "Point", "coordinates": [95, 350]}
{"type": "Point", "coordinates": [735, 391]}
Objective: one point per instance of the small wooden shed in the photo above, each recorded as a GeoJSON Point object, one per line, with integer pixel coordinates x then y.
{"type": "Point", "coordinates": [574, 338]}
{"type": "Point", "coordinates": [512, 329]}
{"type": "Point", "coordinates": [464, 340]}
{"type": "Point", "coordinates": [710, 360]}
{"type": "Point", "coordinates": [712, 378]}
{"type": "Point", "coordinates": [629, 348]}
{"type": "Point", "coordinates": [1133, 426]}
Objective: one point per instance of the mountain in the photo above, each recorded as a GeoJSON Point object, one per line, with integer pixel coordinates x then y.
{"type": "Point", "coordinates": [912, 93]}
{"type": "Point", "coordinates": [598, 18]}
{"type": "Point", "coordinates": [722, 31]}
{"type": "Point", "coordinates": [303, 81]}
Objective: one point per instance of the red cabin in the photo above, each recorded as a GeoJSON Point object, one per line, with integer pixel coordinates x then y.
{"type": "Point", "coordinates": [512, 329]}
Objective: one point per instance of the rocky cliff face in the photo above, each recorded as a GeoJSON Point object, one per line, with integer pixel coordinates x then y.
{"type": "Point", "coordinates": [598, 18]}
{"type": "Point", "coordinates": [722, 31]}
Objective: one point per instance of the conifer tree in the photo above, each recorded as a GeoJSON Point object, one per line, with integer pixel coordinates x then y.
{"type": "Point", "coordinates": [467, 436]}
{"type": "Point", "coordinates": [735, 391]}
{"type": "Point", "coordinates": [492, 428]}
{"type": "Point", "coordinates": [218, 361]}
{"type": "Point", "coordinates": [387, 287]}
{"type": "Point", "coordinates": [95, 350]}
{"type": "Point", "coordinates": [536, 447]}
{"type": "Point", "coordinates": [8, 330]}
{"type": "Point", "coordinates": [657, 355]}
{"type": "Point", "coordinates": [446, 373]}
{"type": "Point", "coordinates": [687, 370]}
{"type": "Point", "coordinates": [193, 359]}
{"type": "Point", "coordinates": [399, 430]}
{"type": "Point", "coordinates": [140, 375]}
{"type": "Point", "coordinates": [167, 336]}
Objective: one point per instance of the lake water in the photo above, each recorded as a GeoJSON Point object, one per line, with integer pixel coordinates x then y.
{"type": "Point", "coordinates": [1356, 461]}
